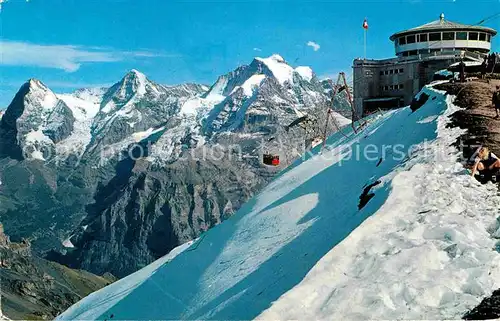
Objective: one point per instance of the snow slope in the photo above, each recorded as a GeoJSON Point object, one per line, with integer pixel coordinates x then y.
{"type": "Point", "coordinates": [249, 85]}
{"type": "Point", "coordinates": [197, 106]}
{"type": "Point", "coordinates": [427, 253]}
{"type": "Point", "coordinates": [124, 286]}
{"type": "Point", "coordinates": [420, 248]}
{"type": "Point", "coordinates": [84, 111]}
{"type": "Point", "coordinates": [3, 317]}
{"type": "Point", "coordinates": [305, 72]}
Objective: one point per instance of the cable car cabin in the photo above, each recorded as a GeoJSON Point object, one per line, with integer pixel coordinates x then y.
{"type": "Point", "coordinates": [271, 160]}
{"type": "Point", "coordinates": [316, 141]}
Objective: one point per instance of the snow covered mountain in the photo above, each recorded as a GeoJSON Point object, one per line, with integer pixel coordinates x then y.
{"type": "Point", "coordinates": [36, 120]}
{"type": "Point", "coordinates": [400, 232]}
{"type": "Point", "coordinates": [267, 88]}
{"type": "Point", "coordinates": [136, 105]}
{"type": "Point", "coordinates": [114, 178]}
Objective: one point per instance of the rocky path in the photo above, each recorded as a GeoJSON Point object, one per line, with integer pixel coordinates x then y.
{"type": "Point", "coordinates": [478, 115]}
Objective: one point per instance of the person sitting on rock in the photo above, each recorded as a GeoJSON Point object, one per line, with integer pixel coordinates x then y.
{"type": "Point", "coordinates": [496, 101]}
{"type": "Point", "coordinates": [487, 164]}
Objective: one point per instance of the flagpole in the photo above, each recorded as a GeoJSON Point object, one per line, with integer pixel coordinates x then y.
{"type": "Point", "coordinates": [365, 28]}
{"type": "Point", "coordinates": [365, 42]}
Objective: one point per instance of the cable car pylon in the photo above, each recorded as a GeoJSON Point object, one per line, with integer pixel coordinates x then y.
{"type": "Point", "coordinates": [339, 87]}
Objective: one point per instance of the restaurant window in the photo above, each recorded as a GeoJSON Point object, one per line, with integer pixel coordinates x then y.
{"type": "Point", "coordinates": [482, 37]}
{"type": "Point", "coordinates": [386, 88]}
{"type": "Point", "coordinates": [488, 38]}
{"type": "Point", "coordinates": [402, 41]}
{"type": "Point", "coordinates": [461, 35]}
{"type": "Point", "coordinates": [410, 39]}
{"type": "Point", "coordinates": [391, 72]}
{"type": "Point", "coordinates": [413, 53]}
{"type": "Point", "coordinates": [473, 36]}
{"type": "Point", "coordinates": [382, 73]}
{"type": "Point", "coordinates": [422, 37]}
{"type": "Point", "coordinates": [435, 36]}
{"type": "Point", "coordinates": [448, 36]}
{"type": "Point", "coordinates": [401, 70]}
{"type": "Point", "coordinates": [396, 71]}
{"type": "Point", "coordinates": [401, 86]}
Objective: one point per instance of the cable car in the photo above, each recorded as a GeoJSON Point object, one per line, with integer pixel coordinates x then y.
{"type": "Point", "coordinates": [271, 160]}
{"type": "Point", "coordinates": [316, 141]}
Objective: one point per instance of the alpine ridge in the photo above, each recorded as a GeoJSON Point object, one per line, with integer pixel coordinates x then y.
{"type": "Point", "coordinates": [124, 174]}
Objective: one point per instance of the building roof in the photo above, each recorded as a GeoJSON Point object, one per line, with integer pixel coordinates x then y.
{"type": "Point", "coordinates": [442, 24]}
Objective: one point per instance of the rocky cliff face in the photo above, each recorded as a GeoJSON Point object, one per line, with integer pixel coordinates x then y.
{"type": "Point", "coordinates": [110, 179]}
{"type": "Point", "coordinates": [148, 211]}
{"type": "Point", "coordinates": [34, 288]}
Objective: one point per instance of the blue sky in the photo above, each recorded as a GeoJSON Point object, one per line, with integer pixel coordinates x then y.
{"type": "Point", "coordinates": [70, 44]}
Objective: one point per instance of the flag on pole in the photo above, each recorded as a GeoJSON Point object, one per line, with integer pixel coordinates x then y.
{"type": "Point", "coordinates": [365, 24]}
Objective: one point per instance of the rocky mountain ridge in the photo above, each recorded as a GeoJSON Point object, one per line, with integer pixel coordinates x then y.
{"type": "Point", "coordinates": [122, 175]}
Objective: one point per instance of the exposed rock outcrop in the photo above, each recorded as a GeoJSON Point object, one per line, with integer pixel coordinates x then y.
{"type": "Point", "coordinates": [477, 116]}
{"type": "Point", "coordinates": [34, 288]}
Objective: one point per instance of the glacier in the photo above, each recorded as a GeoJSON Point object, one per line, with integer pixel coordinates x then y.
{"type": "Point", "coordinates": [84, 110]}
{"type": "Point", "coordinates": [420, 247]}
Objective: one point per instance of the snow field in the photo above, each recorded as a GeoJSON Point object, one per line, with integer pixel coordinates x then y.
{"type": "Point", "coordinates": [427, 253]}
{"type": "Point", "coordinates": [84, 112]}
{"type": "Point", "coordinates": [266, 256]}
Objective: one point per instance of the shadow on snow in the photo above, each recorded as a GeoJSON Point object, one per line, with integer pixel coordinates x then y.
{"type": "Point", "coordinates": [237, 269]}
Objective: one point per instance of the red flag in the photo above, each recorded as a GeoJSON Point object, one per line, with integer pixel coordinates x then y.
{"type": "Point", "coordinates": [365, 24]}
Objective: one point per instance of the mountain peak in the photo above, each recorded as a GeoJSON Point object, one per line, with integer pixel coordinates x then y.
{"type": "Point", "coordinates": [136, 77]}
{"type": "Point", "coordinates": [282, 71]}
{"type": "Point", "coordinates": [277, 58]}
{"type": "Point", "coordinates": [134, 82]}
{"type": "Point", "coordinates": [39, 91]}
{"type": "Point", "coordinates": [305, 72]}
{"type": "Point", "coordinates": [37, 84]}
{"type": "Point", "coordinates": [136, 73]}
{"type": "Point", "coordinates": [278, 67]}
